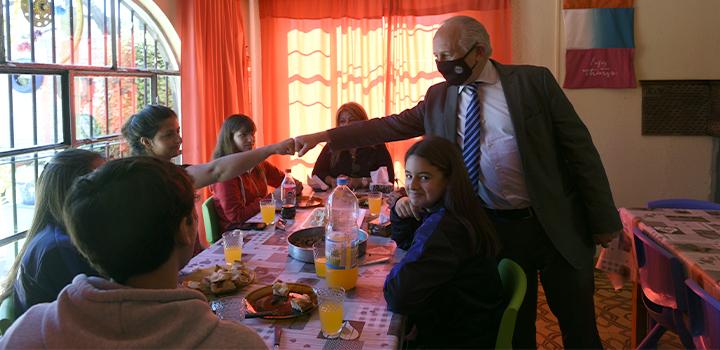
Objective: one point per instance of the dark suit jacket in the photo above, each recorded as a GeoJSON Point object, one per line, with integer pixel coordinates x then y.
{"type": "Point", "coordinates": [565, 178]}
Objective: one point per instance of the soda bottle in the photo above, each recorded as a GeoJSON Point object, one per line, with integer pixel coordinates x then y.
{"type": "Point", "coordinates": [341, 237]}
{"type": "Point", "coordinates": [288, 196]}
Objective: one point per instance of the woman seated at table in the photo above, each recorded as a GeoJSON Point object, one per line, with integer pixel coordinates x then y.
{"type": "Point", "coordinates": [356, 163]}
{"type": "Point", "coordinates": [155, 131]}
{"type": "Point", "coordinates": [448, 282]}
{"type": "Point", "coordinates": [48, 261]}
{"type": "Point", "coordinates": [134, 220]}
{"type": "Point", "coordinates": [238, 199]}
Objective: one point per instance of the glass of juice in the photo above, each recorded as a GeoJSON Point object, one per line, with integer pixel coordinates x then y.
{"type": "Point", "coordinates": [232, 246]}
{"type": "Point", "coordinates": [267, 208]}
{"type": "Point", "coordinates": [330, 302]}
{"type": "Point", "coordinates": [319, 255]}
{"type": "Point", "coordinates": [374, 202]}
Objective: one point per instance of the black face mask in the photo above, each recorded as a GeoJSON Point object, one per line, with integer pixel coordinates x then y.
{"type": "Point", "coordinates": [456, 72]}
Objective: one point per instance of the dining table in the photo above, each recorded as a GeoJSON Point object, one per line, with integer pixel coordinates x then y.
{"type": "Point", "coordinates": [266, 252]}
{"type": "Point", "coordinates": [691, 235]}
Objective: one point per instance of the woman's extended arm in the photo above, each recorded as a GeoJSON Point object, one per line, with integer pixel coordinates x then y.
{"type": "Point", "coordinates": [232, 165]}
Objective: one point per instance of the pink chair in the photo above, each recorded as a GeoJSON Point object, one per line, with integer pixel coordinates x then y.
{"type": "Point", "coordinates": [663, 293]}
{"type": "Point", "coordinates": [704, 314]}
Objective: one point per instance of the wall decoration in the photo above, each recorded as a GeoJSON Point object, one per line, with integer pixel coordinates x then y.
{"type": "Point", "coordinates": [600, 45]}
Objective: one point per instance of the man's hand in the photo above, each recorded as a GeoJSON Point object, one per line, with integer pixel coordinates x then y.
{"type": "Point", "coordinates": [284, 147]}
{"type": "Point", "coordinates": [405, 209]}
{"type": "Point", "coordinates": [304, 143]}
{"type": "Point", "coordinates": [604, 239]}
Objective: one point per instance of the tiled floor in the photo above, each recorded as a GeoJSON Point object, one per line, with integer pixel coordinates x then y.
{"type": "Point", "coordinates": [613, 318]}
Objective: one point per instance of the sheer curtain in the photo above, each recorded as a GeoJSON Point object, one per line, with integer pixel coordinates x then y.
{"type": "Point", "coordinates": [319, 54]}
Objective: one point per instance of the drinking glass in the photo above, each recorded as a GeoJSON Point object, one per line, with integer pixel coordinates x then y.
{"type": "Point", "coordinates": [374, 202]}
{"type": "Point", "coordinates": [267, 208]}
{"type": "Point", "coordinates": [330, 302]}
{"type": "Point", "coordinates": [232, 246]}
{"type": "Point", "coordinates": [319, 258]}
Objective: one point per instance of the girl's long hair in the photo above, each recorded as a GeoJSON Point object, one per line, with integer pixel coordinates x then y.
{"type": "Point", "coordinates": [50, 192]}
{"type": "Point", "coordinates": [225, 143]}
{"type": "Point", "coordinates": [459, 200]}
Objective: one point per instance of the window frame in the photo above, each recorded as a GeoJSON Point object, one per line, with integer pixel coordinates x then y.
{"type": "Point", "coordinates": [68, 74]}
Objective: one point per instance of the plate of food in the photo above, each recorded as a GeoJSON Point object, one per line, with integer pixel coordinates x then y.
{"type": "Point", "coordinates": [218, 280]}
{"type": "Point", "coordinates": [281, 300]}
{"type": "Point", "coordinates": [309, 202]}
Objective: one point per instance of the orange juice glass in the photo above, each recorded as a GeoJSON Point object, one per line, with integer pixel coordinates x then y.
{"type": "Point", "coordinates": [232, 246]}
{"type": "Point", "coordinates": [374, 203]}
{"type": "Point", "coordinates": [267, 210]}
{"type": "Point", "coordinates": [330, 302]}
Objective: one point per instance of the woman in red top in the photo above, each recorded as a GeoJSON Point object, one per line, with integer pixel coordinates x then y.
{"type": "Point", "coordinates": [238, 199]}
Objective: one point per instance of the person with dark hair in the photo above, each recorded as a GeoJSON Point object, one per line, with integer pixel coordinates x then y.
{"type": "Point", "coordinates": [133, 219]}
{"type": "Point", "coordinates": [155, 131]}
{"type": "Point", "coordinates": [48, 261]}
{"type": "Point", "coordinates": [356, 163]}
{"type": "Point", "coordinates": [531, 161]}
{"type": "Point", "coordinates": [450, 267]}
{"type": "Point", "coordinates": [238, 198]}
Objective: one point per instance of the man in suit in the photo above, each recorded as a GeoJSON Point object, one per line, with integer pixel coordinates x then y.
{"type": "Point", "coordinates": [532, 161]}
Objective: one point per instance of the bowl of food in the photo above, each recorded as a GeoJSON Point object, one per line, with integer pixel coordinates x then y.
{"type": "Point", "coordinates": [300, 242]}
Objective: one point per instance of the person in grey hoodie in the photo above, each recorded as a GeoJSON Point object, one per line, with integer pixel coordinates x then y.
{"type": "Point", "coordinates": [133, 220]}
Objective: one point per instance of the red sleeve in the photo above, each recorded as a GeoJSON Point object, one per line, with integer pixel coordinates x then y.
{"type": "Point", "coordinates": [273, 175]}
{"type": "Point", "coordinates": [230, 198]}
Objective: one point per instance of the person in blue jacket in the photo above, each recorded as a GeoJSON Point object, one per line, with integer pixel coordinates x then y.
{"type": "Point", "coordinates": [448, 282]}
{"type": "Point", "coordinates": [48, 261]}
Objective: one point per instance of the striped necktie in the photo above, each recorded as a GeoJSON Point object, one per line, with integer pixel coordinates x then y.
{"type": "Point", "coordinates": [471, 140]}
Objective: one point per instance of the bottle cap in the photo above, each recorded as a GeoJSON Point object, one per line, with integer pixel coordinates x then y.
{"type": "Point", "coordinates": [342, 180]}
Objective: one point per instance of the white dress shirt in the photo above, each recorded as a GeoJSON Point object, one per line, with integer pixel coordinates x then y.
{"type": "Point", "coordinates": [502, 183]}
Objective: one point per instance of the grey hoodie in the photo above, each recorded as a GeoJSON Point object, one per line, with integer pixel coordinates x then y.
{"type": "Point", "coordinates": [93, 312]}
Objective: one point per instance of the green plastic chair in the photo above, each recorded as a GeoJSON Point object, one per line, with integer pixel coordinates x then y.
{"type": "Point", "coordinates": [514, 286]}
{"type": "Point", "coordinates": [7, 314]}
{"type": "Point", "coordinates": [210, 217]}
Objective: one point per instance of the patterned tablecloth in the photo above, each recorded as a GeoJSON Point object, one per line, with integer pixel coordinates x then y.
{"type": "Point", "coordinates": [365, 308]}
{"type": "Point", "coordinates": [691, 235]}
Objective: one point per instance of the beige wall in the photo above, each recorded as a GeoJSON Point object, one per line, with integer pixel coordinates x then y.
{"type": "Point", "coordinates": [674, 40]}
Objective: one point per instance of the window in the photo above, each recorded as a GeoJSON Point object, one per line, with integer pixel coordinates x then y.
{"type": "Point", "coordinates": [70, 77]}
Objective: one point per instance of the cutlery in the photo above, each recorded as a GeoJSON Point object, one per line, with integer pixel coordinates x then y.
{"type": "Point", "coordinates": [278, 334]}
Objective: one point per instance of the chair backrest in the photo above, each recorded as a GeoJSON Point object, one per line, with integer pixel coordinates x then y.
{"type": "Point", "coordinates": [210, 218]}
{"type": "Point", "coordinates": [661, 273]}
{"type": "Point", "coordinates": [683, 203]}
{"type": "Point", "coordinates": [704, 315]}
{"type": "Point", "coordinates": [514, 285]}
{"type": "Point", "coordinates": [7, 313]}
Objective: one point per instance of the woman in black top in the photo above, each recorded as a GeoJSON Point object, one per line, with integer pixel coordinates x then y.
{"type": "Point", "coordinates": [356, 163]}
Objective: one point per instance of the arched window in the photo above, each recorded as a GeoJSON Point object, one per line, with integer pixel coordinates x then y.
{"type": "Point", "coordinates": [71, 73]}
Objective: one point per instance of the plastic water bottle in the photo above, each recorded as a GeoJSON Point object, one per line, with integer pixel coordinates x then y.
{"type": "Point", "coordinates": [341, 243]}
{"type": "Point", "coordinates": [288, 196]}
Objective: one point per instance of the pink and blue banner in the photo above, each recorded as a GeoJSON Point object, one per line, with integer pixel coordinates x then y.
{"type": "Point", "coordinates": [600, 45]}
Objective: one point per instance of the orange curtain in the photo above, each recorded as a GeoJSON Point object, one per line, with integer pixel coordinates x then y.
{"type": "Point", "coordinates": [214, 72]}
{"type": "Point", "coordinates": [319, 54]}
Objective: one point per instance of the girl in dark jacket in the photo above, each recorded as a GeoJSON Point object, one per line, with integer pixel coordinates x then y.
{"type": "Point", "coordinates": [448, 283]}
